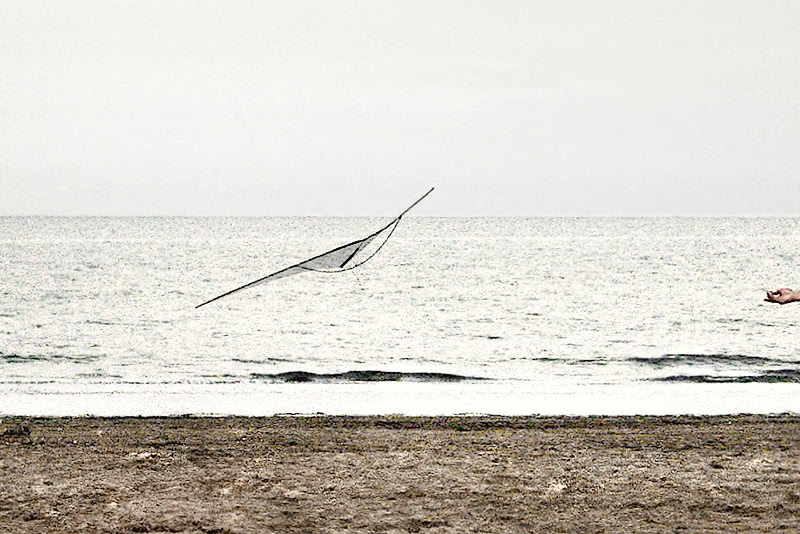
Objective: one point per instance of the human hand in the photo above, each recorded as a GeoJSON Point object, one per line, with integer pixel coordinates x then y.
{"type": "Point", "coordinates": [783, 295]}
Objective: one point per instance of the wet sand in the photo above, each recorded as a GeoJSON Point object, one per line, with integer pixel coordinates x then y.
{"type": "Point", "coordinates": [401, 474]}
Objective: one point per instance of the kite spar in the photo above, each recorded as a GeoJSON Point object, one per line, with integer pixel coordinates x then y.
{"type": "Point", "coordinates": [340, 259]}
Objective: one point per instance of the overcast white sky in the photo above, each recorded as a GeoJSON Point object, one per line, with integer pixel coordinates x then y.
{"type": "Point", "coordinates": [358, 107]}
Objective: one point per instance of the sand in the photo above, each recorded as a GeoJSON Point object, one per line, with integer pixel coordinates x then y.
{"type": "Point", "coordinates": [401, 474]}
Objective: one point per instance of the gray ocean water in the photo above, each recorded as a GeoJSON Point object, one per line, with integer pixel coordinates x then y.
{"type": "Point", "coordinates": [455, 315]}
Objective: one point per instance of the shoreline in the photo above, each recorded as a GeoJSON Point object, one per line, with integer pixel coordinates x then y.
{"type": "Point", "coordinates": [319, 473]}
{"type": "Point", "coordinates": [511, 398]}
{"type": "Point", "coordinates": [484, 420]}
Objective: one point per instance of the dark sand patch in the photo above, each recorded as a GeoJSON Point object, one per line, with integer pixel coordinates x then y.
{"type": "Point", "coordinates": [401, 474]}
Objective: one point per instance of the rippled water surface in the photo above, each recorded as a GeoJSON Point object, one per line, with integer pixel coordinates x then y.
{"type": "Point", "coordinates": [455, 315]}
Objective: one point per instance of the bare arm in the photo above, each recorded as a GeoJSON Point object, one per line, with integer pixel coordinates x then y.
{"type": "Point", "coordinates": [783, 295]}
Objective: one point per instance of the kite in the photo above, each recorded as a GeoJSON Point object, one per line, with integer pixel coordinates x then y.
{"type": "Point", "coordinates": [338, 260]}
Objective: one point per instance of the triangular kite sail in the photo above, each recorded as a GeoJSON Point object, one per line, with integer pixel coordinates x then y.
{"type": "Point", "coordinates": [340, 259]}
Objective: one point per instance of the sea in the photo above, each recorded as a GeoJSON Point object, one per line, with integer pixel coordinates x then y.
{"type": "Point", "coordinates": [508, 316]}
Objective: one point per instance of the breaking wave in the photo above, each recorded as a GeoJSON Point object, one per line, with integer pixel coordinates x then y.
{"type": "Point", "coordinates": [768, 377]}
{"type": "Point", "coordinates": [361, 376]}
{"type": "Point", "coordinates": [668, 360]}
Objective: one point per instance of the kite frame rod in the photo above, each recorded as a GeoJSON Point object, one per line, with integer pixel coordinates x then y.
{"type": "Point", "coordinates": [373, 234]}
{"type": "Point", "coordinates": [411, 206]}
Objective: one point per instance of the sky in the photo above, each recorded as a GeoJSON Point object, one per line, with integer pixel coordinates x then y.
{"type": "Point", "coordinates": [528, 108]}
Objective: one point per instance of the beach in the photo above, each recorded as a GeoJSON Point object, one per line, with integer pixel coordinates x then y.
{"type": "Point", "coordinates": [400, 474]}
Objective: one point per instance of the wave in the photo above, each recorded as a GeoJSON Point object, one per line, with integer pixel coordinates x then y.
{"type": "Point", "coordinates": [21, 358]}
{"type": "Point", "coordinates": [768, 377]}
{"type": "Point", "coordinates": [702, 359]}
{"type": "Point", "coordinates": [265, 360]}
{"type": "Point", "coordinates": [361, 376]}
{"type": "Point", "coordinates": [563, 361]}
